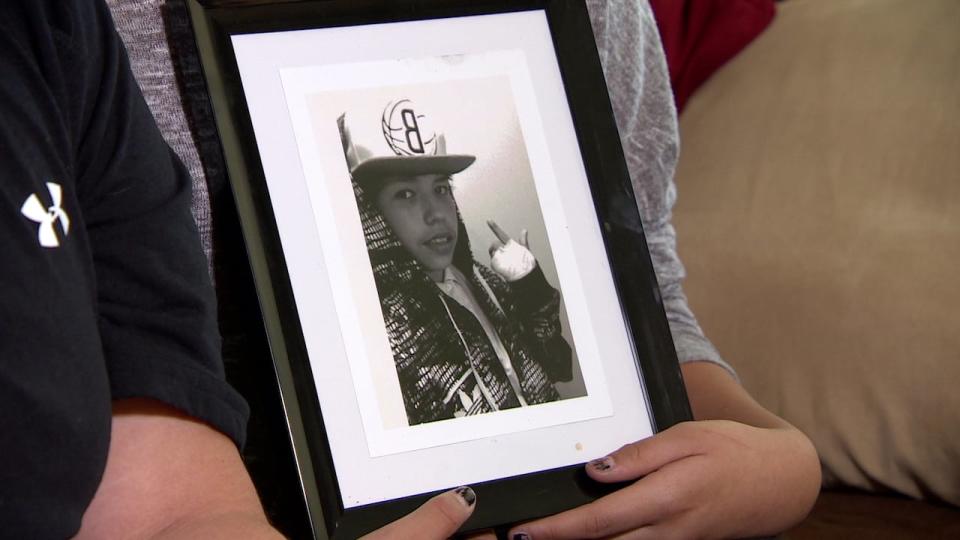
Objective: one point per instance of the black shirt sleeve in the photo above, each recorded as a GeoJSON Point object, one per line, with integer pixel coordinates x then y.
{"type": "Point", "coordinates": [105, 290]}
{"type": "Point", "coordinates": [157, 312]}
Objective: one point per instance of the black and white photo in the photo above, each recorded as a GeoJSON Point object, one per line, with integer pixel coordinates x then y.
{"type": "Point", "coordinates": [439, 268]}
{"type": "Point", "coordinates": [467, 338]}
{"type": "Point", "coordinates": [438, 211]}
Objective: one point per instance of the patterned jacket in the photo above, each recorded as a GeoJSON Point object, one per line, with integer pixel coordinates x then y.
{"type": "Point", "coordinates": [446, 365]}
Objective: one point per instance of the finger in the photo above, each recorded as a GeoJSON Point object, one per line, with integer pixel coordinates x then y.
{"type": "Point", "coordinates": [485, 535]}
{"type": "Point", "coordinates": [674, 526]}
{"type": "Point", "coordinates": [500, 233]}
{"type": "Point", "coordinates": [438, 519]}
{"type": "Point", "coordinates": [525, 239]}
{"type": "Point", "coordinates": [651, 532]}
{"type": "Point", "coordinates": [643, 457]}
{"type": "Point", "coordinates": [643, 503]}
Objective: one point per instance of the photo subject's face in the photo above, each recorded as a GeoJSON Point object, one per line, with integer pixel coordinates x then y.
{"type": "Point", "coordinates": [423, 214]}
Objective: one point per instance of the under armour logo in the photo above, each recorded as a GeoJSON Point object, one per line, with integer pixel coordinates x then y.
{"type": "Point", "coordinates": [34, 210]}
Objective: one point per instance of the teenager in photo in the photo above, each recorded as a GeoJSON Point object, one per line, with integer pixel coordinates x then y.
{"type": "Point", "coordinates": [466, 339]}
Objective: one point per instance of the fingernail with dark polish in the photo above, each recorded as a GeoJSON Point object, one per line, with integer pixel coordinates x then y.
{"type": "Point", "coordinates": [520, 536]}
{"type": "Point", "coordinates": [603, 464]}
{"type": "Point", "coordinates": [467, 495]}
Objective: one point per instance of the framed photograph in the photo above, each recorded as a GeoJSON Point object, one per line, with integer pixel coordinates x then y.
{"type": "Point", "coordinates": [450, 262]}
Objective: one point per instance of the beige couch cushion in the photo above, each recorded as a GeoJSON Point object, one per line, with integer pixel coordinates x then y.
{"type": "Point", "coordinates": [819, 217]}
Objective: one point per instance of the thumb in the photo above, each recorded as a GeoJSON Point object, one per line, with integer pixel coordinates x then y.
{"type": "Point", "coordinates": [438, 519]}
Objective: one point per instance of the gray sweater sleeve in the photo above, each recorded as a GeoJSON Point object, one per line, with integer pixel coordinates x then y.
{"type": "Point", "coordinates": [639, 86]}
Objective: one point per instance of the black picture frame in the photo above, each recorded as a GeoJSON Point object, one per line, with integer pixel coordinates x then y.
{"type": "Point", "coordinates": [541, 493]}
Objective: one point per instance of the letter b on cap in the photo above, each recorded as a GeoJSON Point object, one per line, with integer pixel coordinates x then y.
{"type": "Point", "coordinates": [412, 131]}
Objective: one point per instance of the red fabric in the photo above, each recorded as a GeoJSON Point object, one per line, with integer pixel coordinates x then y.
{"type": "Point", "coordinates": [699, 36]}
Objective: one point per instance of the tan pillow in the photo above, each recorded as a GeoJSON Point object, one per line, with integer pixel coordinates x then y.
{"type": "Point", "coordinates": [819, 218]}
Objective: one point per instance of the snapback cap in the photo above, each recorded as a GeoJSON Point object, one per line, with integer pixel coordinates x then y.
{"type": "Point", "coordinates": [404, 145]}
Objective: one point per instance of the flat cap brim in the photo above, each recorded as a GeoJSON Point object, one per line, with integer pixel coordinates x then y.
{"type": "Point", "coordinates": [382, 168]}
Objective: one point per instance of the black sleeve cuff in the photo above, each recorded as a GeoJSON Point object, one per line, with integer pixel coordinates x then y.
{"type": "Point", "coordinates": [532, 292]}
{"type": "Point", "coordinates": [189, 388]}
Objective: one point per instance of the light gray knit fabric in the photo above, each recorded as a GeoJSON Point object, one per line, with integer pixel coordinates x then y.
{"type": "Point", "coordinates": [639, 85]}
{"type": "Point", "coordinates": [637, 77]}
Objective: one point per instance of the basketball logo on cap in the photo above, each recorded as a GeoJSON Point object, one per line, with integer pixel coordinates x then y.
{"type": "Point", "coordinates": [406, 132]}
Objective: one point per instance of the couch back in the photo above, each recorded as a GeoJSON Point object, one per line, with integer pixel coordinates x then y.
{"type": "Point", "coordinates": [819, 217]}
